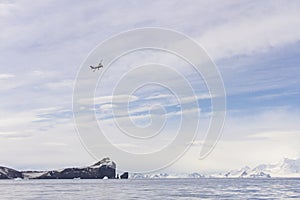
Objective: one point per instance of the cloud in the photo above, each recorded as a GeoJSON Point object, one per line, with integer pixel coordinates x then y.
{"type": "Point", "coordinates": [250, 139]}
{"type": "Point", "coordinates": [276, 135]}
{"type": "Point", "coordinates": [274, 95]}
{"type": "Point", "coordinates": [107, 106]}
{"type": "Point", "coordinates": [109, 99]}
{"type": "Point", "coordinates": [6, 8]}
{"type": "Point", "coordinates": [256, 31]}
{"type": "Point", "coordinates": [60, 84]}
{"type": "Point", "coordinates": [55, 144]}
{"type": "Point", "coordinates": [6, 76]}
{"type": "Point", "coordinates": [158, 96]}
{"type": "Point", "coordinates": [13, 135]}
{"type": "Point", "coordinates": [184, 112]}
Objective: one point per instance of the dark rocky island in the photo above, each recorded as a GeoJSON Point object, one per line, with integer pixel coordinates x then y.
{"type": "Point", "coordinates": [8, 173]}
{"type": "Point", "coordinates": [99, 170]}
{"type": "Point", "coordinates": [124, 175]}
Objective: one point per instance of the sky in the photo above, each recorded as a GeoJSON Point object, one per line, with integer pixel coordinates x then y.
{"type": "Point", "coordinates": [44, 44]}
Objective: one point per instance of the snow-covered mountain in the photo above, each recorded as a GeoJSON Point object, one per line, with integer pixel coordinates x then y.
{"type": "Point", "coordinates": [166, 175]}
{"type": "Point", "coordinates": [247, 172]}
{"type": "Point", "coordinates": [285, 168]}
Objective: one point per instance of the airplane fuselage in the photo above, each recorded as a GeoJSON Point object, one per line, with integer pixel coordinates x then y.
{"type": "Point", "coordinates": [97, 67]}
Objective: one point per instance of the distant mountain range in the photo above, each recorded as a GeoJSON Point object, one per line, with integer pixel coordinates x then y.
{"type": "Point", "coordinates": [285, 168]}
{"type": "Point", "coordinates": [107, 168]}
{"type": "Point", "coordinates": [165, 175]}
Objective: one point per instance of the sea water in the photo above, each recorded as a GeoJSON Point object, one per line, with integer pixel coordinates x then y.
{"type": "Point", "coordinates": [203, 188]}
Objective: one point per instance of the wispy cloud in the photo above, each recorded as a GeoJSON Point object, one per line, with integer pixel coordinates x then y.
{"type": "Point", "coordinates": [6, 76]}
{"type": "Point", "coordinates": [259, 30]}
{"type": "Point", "coordinates": [278, 135]}
{"type": "Point", "coordinates": [274, 95]}
{"type": "Point", "coordinates": [60, 84]}
{"type": "Point", "coordinates": [109, 99]}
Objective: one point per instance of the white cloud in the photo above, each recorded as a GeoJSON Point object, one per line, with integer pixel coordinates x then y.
{"type": "Point", "coordinates": [257, 32]}
{"type": "Point", "coordinates": [6, 76]}
{"type": "Point", "coordinates": [184, 112]}
{"type": "Point", "coordinates": [55, 144]}
{"type": "Point", "coordinates": [60, 84]}
{"type": "Point", "coordinates": [109, 99]}
{"type": "Point", "coordinates": [254, 139]}
{"type": "Point", "coordinates": [276, 135]}
{"type": "Point", "coordinates": [158, 96]}
{"type": "Point", "coordinates": [274, 95]}
{"type": "Point", "coordinates": [107, 106]}
{"type": "Point", "coordinates": [48, 110]}
{"type": "Point", "coordinates": [6, 8]}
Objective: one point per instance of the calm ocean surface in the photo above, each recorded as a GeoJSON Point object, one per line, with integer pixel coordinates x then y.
{"type": "Point", "coordinates": [208, 188]}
